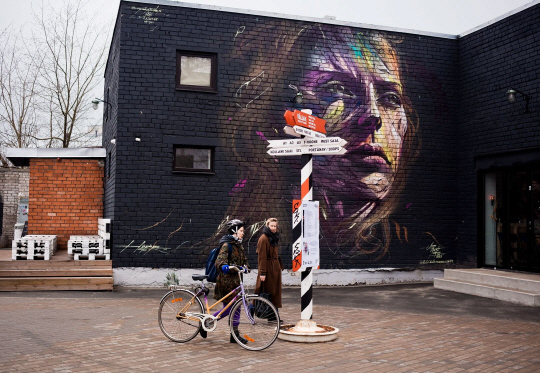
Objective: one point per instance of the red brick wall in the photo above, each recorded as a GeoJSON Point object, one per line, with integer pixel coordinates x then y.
{"type": "Point", "coordinates": [65, 198]}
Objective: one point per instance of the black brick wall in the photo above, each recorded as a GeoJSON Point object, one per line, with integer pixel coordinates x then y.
{"type": "Point", "coordinates": [493, 59]}
{"type": "Point", "coordinates": [165, 219]}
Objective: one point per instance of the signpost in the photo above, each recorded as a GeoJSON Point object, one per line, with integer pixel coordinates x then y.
{"type": "Point", "coordinates": [306, 120]}
{"type": "Point", "coordinates": [337, 141]}
{"type": "Point", "coordinates": [307, 132]}
{"type": "Point", "coordinates": [317, 150]}
{"type": "Point", "coordinates": [290, 131]}
{"type": "Point", "coordinates": [305, 218]}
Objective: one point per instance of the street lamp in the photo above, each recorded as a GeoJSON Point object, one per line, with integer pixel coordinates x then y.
{"type": "Point", "coordinates": [96, 101]}
{"type": "Point", "coordinates": [512, 98]}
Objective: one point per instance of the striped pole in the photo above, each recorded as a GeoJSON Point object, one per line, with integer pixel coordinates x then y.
{"type": "Point", "coordinates": [306, 274]}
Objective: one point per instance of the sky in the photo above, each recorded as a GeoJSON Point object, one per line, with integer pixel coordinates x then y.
{"type": "Point", "coordinates": [452, 17]}
{"type": "Point", "coordinates": [440, 16]}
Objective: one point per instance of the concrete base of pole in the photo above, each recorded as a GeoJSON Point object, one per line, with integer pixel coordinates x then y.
{"type": "Point", "coordinates": [307, 331]}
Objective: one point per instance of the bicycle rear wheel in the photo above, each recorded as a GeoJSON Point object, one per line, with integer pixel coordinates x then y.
{"type": "Point", "coordinates": [171, 315]}
{"type": "Point", "coordinates": [260, 333]}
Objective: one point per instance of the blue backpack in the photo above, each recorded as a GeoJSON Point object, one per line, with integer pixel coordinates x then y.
{"type": "Point", "coordinates": [211, 270]}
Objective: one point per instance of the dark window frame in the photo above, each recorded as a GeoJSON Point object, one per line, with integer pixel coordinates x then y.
{"type": "Point", "coordinates": [213, 72]}
{"type": "Point", "coordinates": [195, 171]}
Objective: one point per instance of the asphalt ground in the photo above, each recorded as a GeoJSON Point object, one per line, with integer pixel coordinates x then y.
{"type": "Point", "coordinates": [390, 328]}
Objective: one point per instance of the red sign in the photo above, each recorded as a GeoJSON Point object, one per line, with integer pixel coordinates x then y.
{"type": "Point", "coordinates": [297, 235]}
{"type": "Point", "coordinates": [298, 118]}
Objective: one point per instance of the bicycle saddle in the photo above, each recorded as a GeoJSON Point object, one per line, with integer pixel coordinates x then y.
{"type": "Point", "coordinates": [199, 277]}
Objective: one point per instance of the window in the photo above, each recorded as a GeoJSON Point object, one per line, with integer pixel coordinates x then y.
{"type": "Point", "coordinates": [196, 71]}
{"type": "Point", "coordinates": [193, 159]}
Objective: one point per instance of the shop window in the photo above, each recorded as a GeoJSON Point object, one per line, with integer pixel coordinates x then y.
{"type": "Point", "coordinates": [196, 71]}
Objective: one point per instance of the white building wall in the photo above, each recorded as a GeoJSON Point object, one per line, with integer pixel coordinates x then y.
{"type": "Point", "coordinates": [156, 277]}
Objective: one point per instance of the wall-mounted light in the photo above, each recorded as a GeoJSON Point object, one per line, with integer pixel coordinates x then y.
{"type": "Point", "coordinates": [298, 97]}
{"type": "Point", "coordinates": [512, 98]}
{"type": "Point", "coordinates": [138, 139]}
{"type": "Point", "coordinates": [113, 141]}
{"type": "Point", "coordinates": [96, 101]}
{"type": "Point", "coordinates": [492, 199]}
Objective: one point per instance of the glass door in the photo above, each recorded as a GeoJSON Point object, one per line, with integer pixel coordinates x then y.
{"type": "Point", "coordinates": [518, 219]}
{"type": "Point", "coordinates": [491, 246]}
{"type": "Point", "coordinates": [511, 219]}
{"type": "Point", "coordinates": [535, 229]}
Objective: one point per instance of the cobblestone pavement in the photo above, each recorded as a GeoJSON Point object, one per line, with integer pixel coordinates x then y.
{"type": "Point", "coordinates": [399, 328]}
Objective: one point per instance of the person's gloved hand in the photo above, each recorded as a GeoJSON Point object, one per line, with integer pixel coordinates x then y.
{"type": "Point", "coordinates": [243, 269]}
{"type": "Point", "coordinates": [225, 268]}
{"type": "Point", "coordinates": [239, 269]}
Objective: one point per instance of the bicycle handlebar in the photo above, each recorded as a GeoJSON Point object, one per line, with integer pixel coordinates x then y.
{"type": "Point", "coordinates": [240, 269]}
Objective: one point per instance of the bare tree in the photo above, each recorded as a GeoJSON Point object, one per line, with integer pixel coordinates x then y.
{"type": "Point", "coordinates": [19, 74]}
{"type": "Point", "coordinates": [46, 81]}
{"type": "Point", "coordinates": [73, 48]}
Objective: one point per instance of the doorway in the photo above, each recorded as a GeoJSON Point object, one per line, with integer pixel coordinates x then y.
{"type": "Point", "coordinates": [511, 219]}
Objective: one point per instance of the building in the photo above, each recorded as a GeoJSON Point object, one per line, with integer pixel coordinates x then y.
{"type": "Point", "coordinates": [63, 190]}
{"type": "Point", "coordinates": [13, 194]}
{"type": "Point", "coordinates": [441, 169]}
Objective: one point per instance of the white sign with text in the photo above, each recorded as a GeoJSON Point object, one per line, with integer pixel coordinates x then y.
{"type": "Point", "coordinates": [310, 234]}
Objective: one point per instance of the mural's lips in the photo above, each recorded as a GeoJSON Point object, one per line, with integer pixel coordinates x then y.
{"type": "Point", "coordinates": [371, 153]}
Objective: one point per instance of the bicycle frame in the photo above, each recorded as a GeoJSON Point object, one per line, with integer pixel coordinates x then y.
{"type": "Point", "coordinates": [208, 308]}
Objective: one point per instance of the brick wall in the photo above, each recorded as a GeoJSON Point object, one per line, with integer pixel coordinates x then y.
{"type": "Point", "coordinates": [165, 219]}
{"type": "Point", "coordinates": [13, 185]}
{"type": "Point", "coordinates": [65, 198]}
{"type": "Point", "coordinates": [494, 59]}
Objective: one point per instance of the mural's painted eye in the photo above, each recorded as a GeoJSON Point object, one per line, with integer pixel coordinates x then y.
{"type": "Point", "coordinates": [390, 99]}
{"type": "Point", "coordinates": [338, 89]}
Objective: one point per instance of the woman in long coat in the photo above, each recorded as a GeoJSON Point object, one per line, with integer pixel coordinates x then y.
{"type": "Point", "coordinates": [270, 264]}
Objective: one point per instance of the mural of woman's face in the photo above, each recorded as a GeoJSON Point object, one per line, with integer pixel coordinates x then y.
{"type": "Point", "coordinates": [356, 88]}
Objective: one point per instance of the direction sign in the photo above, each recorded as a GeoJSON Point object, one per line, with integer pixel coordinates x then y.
{"type": "Point", "coordinates": [325, 150]}
{"type": "Point", "coordinates": [299, 150]}
{"type": "Point", "coordinates": [299, 118]}
{"type": "Point", "coordinates": [308, 132]}
{"type": "Point", "coordinates": [289, 131]}
{"type": "Point", "coordinates": [289, 143]}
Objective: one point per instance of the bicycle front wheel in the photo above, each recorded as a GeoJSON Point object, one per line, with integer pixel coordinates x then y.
{"type": "Point", "coordinates": [256, 327]}
{"type": "Point", "coordinates": [172, 318]}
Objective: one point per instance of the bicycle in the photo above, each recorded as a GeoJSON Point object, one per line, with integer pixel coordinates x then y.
{"type": "Point", "coordinates": [254, 321]}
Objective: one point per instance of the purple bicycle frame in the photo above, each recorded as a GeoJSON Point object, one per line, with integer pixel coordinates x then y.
{"type": "Point", "coordinates": [241, 286]}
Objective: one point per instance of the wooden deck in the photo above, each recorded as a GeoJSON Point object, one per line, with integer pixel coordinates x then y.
{"type": "Point", "coordinates": [59, 273]}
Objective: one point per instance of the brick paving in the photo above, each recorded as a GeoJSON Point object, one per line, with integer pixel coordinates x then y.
{"type": "Point", "coordinates": [108, 332]}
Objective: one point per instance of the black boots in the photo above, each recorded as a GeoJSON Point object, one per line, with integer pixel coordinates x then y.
{"type": "Point", "coordinates": [243, 340]}
{"type": "Point", "coordinates": [272, 318]}
{"type": "Point", "coordinates": [203, 333]}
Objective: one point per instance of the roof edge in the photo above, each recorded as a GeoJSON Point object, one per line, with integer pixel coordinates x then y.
{"type": "Point", "coordinates": [291, 17]}
{"type": "Point", "coordinates": [21, 156]}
